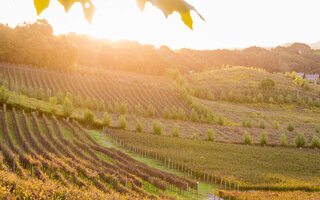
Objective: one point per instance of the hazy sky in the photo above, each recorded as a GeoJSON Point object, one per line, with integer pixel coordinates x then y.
{"type": "Point", "coordinates": [229, 23]}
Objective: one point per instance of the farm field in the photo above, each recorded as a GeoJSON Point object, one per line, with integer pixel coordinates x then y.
{"type": "Point", "coordinates": [217, 164]}
{"type": "Point", "coordinates": [52, 153]}
{"type": "Point", "coordinates": [272, 167]}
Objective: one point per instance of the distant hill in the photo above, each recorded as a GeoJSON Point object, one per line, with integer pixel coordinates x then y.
{"type": "Point", "coordinates": [315, 45]}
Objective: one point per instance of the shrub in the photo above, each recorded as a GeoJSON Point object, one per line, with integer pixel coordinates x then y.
{"type": "Point", "coordinates": [138, 109]}
{"type": "Point", "coordinates": [4, 97]}
{"type": "Point", "coordinates": [284, 140]}
{"type": "Point", "coordinates": [263, 138]}
{"type": "Point", "coordinates": [78, 101]}
{"type": "Point", "coordinates": [166, 113]}
{"type": "Point", "coordinates": [310, 101]}
{"type": "Point", "coordinates": [315, 142]}
{"type": "Point", "coordinates": [221, 120]}
{"type": "Point", "coordinates": [53, 100]}
{"type": "Point", "coordinates": [176, 131]}
{"type": "Point", "coordinates": [290, 126]}
{"type": "Point", "coordinates": [246, 138]}
{"type": "Point", "coordinates": [139, 127]}
{"type": "Point", "coordinates": [88, 116]}
{"type": "Point", "coordinates": [275, 124]}
{"type": "Point", "coordinates": [317, 102]}
{"type": "Point", "coordinates": [210, 95]}
{"type": "Point", "coordinates": [317, 128]}
{"type": "Point", "coordinates": [107, 119]}
{"type": "Point", "coordinates": [122, 108]}
{"type": "Point", "coordinates": [262, 124]}
{"type": "Point", "coordinates": [102, 105]}
{"type": "Point", "coordinates": [174, 113]}
{"type": "Point", "coordinates": [300, 100]}
{"type": "Point", "coordinates": [67, 107]}
{"type": "Point", "coordinates": [247, 123]}
{"type": "Point", "coordinates": [210, 135]}
{"type": "Point", "coordinates": [157, 127]}
{"type": "Point", "coordinates": [271, 100]}
{"type": "Point", "coordinates": [289, 99]}
{"type": "Point", "coordinates": [260, 98]}
{"type": "Point", "coordinates": [194, 116]}
{"type": "Point", "coordinates": [300, 140]}
{"type": "Point", "coordinates": [150, 110]}
{"type": "Point", "coordinates": [280, 98]}
{"type": "Point", "coordinates": [181, 114]}
{"type": "Point", "coordinates": [267, 84]}
{"type": "Point", "coordinates": [122, 122]}
{"type": "Point", "coordinates": [195, 136]}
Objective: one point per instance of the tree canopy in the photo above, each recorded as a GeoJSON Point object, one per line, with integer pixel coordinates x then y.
{"type": "Point", "coordinates": [166, 6]}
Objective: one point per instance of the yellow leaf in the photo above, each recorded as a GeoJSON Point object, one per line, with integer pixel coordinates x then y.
{"type": "Point", "coordinates": [41, 5]}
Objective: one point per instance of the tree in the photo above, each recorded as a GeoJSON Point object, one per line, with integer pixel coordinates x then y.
{"type": "Point", "coordinates": [284, 141]}
{"type": "Point", "coordinates": [4, 97]}
{"type": "Point", "coordinates": [139, 127]}
{"type": "Point", "coordinates": [298, 81]}
{"type": "Point", "coordinates": [267, 84]}
{"type": "Point", "coordinates": [157, 127]}
{"type": "Point", "coordinates": [290, 126]}
{"type": "Point", "coordinates": [150, 110]}
{"type": "Point", "coordinates": [88, 117]}
{"type": "Point", "coordinates": [107, 119]}
{"type": "Point", "coordinates": [167, 7]}
{"type": "Point", "coordinates": [122, 122]}
{"type": "Point", "coordinates": [300, 140]}
{"type": "Point", "coordinates": [246, 138]}
{"type": "Point", "coordinates": [210, 135]}
{"type": "Point", "coordinates": [67, 107]}
{"type": "Point", "coordinates": [176, 131]}
{"type": "Point", "coordinates": [264, 138]}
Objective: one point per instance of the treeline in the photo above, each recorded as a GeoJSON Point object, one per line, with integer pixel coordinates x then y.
{"type": "Point", "coordinates": [35, 45]}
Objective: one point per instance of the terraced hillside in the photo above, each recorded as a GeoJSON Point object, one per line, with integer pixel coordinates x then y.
{"type": "Point", "coordinates": [56, 158]}
{"type": "Point", "coordinates": [108, 88]}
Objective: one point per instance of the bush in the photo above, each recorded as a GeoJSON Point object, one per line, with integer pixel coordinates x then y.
{"type": "Point", "coordinates": [150, 110]}
{"type": "Point", "coordinates": [247, 123]}
{"type": "Point", "coordinates": [107, 119]}
{"type": "Point", "coordinates": [67, 107]}
{"type": "Point", "coordinates": [53, 100]}
{"type": "Point", "coordinates": [262, 124]}
{"type": "Point", "coordinates": [315, 142]}
{"type": "Point", "coordinates": [271, 100]}
{"type": "Point", "coordinates": [157, 127]}
{"type": "Point", "coordinates": [275, 124]}
{"type": "Point", "coordinates": [317, 102]}
{"type": "Point", "coordinates": [176, 131]}
{"type": "Point", "coordinates": [166, 113]}
{"type": "Point", "coordinates": [195, 136]}
{"type": "Point", "coordinates": [317, 128]}
{"type": "Point", "coordinates": [290, 126]}
{"type": "Point", "coordinates": [122, 108]}
{"type": "Point", "coordinates": [122, 122]}
{"type": "Point", "coordinates": [289, 99]}
{"type": "Point", "coordinates": [221, 120]}
{"type": "Point", "coordinates": [263, 138]}
{"type": "Point", "coordinates": [139, 127]}
{"type": "Point", "coordinates": [88, 117]}
{"type": "Point", "coordinates": [260, 98]}
{"type": "Point", "coordinates": [246, 138]}
{"type": "Point", "coordinates": [4, 97]}
{"type": "Point", "coordinates": [210, 135]}
{"type": "Point", "coordinates": [181, 114]}
{"type": "Point", "coordinates": [310, 101]}
{"type": "Point", "coordinates": [78, 102]}
{"type": "Point", "coordinates": [284, 140]}
{"type": "Point", "coordinates": [194, 116]}
{"type": "Point", "coordinates": [139, 109]}
{"type": "Point", "coordinates": [300, 140]}
{"type": "Point", "coordinates": [280, 98]}
{"type": "Point", "coordinates": [267, 84]}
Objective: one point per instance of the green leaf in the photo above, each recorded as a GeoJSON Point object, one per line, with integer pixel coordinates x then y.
{"type": "Point", "coordinates": [169, 6]}
{"type": "Point", "coordinates": [41, 5]}
{"type": "Point", "coordinates": [87, 7]}
{"type": "Point", "coordinates": [67, 4]}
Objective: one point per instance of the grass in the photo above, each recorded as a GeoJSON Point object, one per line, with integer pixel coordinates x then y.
{"type": "Point", "coordinates": [247, 164]}
{"type": "Point", "coordinates": [106, 141]}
